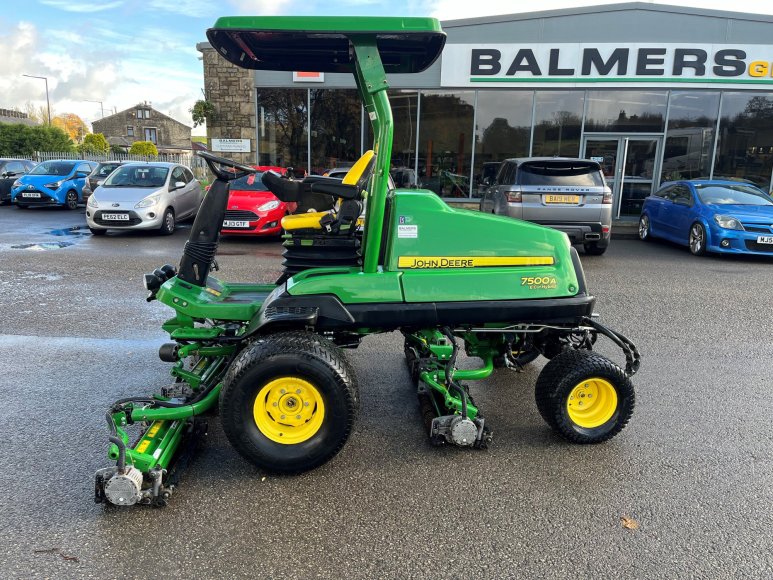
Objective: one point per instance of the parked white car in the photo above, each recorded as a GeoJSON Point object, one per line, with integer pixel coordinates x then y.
{"type": "Point", "coordinates": [147, 196]}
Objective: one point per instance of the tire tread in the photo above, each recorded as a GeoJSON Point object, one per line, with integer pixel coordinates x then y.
{"type": "Point", "coordinates": [305, 345]}
{"type": "Point", "coordinates": [576, 363]}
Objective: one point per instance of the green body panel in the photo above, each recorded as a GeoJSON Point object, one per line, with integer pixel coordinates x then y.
{"type": "Point", "coordinates": [354, 24]}
{"type": "Point", "coordinates": [441, 230]}
{"type": "Point", "coordinates": [217, 300]}
{"type": "Point", "coordinates": [351, 288]}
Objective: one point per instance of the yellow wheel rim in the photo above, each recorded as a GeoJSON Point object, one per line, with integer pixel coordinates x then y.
{"type": "Point", "coordinates": [289, 410]}
{"type": "Point", "coordinates": [592, 403]}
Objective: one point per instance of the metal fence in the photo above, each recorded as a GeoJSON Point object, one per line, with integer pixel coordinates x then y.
{"type": "Point", "coordinates": [187, 158]}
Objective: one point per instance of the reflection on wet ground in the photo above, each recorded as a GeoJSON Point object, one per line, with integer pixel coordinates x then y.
{"type": "Point", "coordinates": [72, 231]}
{"type": "Point", "coordinates": [42, 246]}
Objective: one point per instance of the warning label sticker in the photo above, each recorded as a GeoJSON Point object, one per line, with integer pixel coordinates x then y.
{"type": "Point", "coordinates": [407, 231]}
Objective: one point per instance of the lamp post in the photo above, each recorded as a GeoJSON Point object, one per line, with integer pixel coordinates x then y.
{"type": "Point", "coordinates": [48, 103]}
{"type": "Point", "coordinates": [100, 105]}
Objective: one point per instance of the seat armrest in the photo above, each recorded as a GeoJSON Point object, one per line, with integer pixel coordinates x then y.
{"type": "Point", "coordinates": [337, 189]}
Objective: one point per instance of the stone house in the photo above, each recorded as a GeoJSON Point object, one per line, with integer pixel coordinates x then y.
{"type": "Point", "coordinates": [231, 90]}
{"type": "Point", "coordinates": [144, 123]}
{"type": "Point", "coordinates": [15, 117]}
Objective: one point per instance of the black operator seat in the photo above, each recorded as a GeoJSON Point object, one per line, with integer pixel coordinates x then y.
{"type": "Point", "coordinates": [349, 192]}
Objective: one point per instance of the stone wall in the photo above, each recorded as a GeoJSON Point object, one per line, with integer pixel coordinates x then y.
{"type": "Point", "coordinates": [169, 133]}
{"type": "Point", "coordinates": [231, 90]}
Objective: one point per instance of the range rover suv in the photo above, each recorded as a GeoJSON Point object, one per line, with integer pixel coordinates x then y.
{"type": "Point", "coordinates": [569, 195]}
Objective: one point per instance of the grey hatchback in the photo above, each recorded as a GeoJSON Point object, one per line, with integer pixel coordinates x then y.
{"type": "Point", "coordinates": [567, 194]}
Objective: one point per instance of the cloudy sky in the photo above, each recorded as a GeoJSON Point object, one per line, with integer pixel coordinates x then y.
{"type": "Point", "coordinates": [122, 52]}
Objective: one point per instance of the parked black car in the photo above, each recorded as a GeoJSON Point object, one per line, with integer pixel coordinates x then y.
{"type": "Point", "coordinates": [10, 170]}
{"type": "Point", "coordinates": [101, 173]}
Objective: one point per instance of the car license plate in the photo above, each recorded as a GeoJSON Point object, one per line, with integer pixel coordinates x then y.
{"type": "Point", "coordinates": [118, 217]}
{"type": "Point", "coordinates": [235, 224]}
{"type": "Point", "coordinates": [30, 194]}
{"type": "Point", "coordinates": [571, 199]}
{"type": "Point", "coordinates": [765, 239]}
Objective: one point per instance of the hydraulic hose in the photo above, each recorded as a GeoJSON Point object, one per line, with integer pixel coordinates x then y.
{"type": "Point", "coordinates": [114, 438]}
{"type": "Point", "coordinates": [450, 370]}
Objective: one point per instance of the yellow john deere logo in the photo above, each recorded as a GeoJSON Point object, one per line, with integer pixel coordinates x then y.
{"type": "Point", "coordinates": [422, 262]}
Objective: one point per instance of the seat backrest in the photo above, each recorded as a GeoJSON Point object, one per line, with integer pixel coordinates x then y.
{"type": "Point", "coordinates": [360, 172]}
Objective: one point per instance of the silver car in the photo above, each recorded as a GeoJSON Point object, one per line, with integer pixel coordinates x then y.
{"type": "Point", "coordinates": [147, 196]}
{"type": "Point", "coordinates": [566, 194]}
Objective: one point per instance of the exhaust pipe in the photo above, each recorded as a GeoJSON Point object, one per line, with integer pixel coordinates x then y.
{"type": "Point", "coordinates": [593, 236]}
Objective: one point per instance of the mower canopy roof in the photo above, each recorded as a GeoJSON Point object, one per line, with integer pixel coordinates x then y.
{"type": "Point", "coordinates": [322, 43]}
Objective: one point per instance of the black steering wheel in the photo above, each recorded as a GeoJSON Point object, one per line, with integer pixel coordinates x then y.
{"type": "Point", "coordinates": [216, 165]}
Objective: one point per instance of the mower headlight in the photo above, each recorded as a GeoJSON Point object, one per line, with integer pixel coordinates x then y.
{"type": "Point", "coordinates": [92, 202]}
{"type": "Point", "coordinates": [728, 222]}
{"type": "Point", "coordinates": [149, 201]}
{"type": "Point", "coordinates": [269, 205]}
{"type": "Point", "coordinates": [55, 184]}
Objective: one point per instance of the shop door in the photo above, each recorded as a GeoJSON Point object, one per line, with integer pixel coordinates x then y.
{"type": "Point", "coordinates": [629, 167]}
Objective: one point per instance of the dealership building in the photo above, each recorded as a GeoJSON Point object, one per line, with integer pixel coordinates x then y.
{"type": "Point", "coordinates": [652, 92]}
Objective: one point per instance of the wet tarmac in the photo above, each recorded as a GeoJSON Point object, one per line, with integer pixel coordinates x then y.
{"type": "Point", "coordinates": [694, 468]}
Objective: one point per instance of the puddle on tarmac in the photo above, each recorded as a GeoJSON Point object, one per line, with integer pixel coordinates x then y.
{"type": "Point", "coordinates": [43, 246]}
{"type": "Point", "coordinates": [73, 231]}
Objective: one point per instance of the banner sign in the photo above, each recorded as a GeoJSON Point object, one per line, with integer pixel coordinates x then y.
{"type": "Point", "coordinates": [608, 65]}
{"type": "Point", "coordinates": [231, 145]}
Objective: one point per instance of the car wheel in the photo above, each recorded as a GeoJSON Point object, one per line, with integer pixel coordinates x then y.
{"type": "Point", "coordinates": [594, 249]}
{"type": "Point", "coordinates": [95, 232]}
{"type": "Point", "coordinates": [644, 228]}
{"type": "Point", "coordinates": [168, 223]}
{"type": "Point", "coordinates": [697, 240]}
{"type": "Point", "coordinates": [71, 200]}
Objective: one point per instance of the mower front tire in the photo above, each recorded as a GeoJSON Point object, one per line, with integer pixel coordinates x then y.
{"type": "Point", "coordinates": [289, 402]}
{"type": "Point", "coordinates": [584, 397]}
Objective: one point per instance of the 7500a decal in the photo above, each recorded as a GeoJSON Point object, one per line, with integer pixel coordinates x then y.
{"type": "Point", "coordinates": [539, 282]}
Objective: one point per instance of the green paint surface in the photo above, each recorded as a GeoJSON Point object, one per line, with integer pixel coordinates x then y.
{"type": "Point", "coordinates": [445, 231]}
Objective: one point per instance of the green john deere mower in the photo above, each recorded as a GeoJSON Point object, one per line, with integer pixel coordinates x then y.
{"type": "Point", "coordinates": [270, 356]}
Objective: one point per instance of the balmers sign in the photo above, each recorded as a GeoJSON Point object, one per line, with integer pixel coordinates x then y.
{"type": "Point", "coordinates": [574, 65]}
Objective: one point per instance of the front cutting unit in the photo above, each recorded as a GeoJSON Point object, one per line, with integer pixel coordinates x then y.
{"type": "Point", "coordinates": [270, 358]}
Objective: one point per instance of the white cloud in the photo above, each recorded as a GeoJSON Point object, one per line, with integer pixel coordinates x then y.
{"type": "Point", "coordinates": [260, 7]}
{"type": "Point", "coordinates": [190, 8]}
{"type": "Point", "coordinates": [456, 9]}
{"type": "Point", "coordinates": [72, 6]}
{"type": "Point", "coordinates": [119, 71]}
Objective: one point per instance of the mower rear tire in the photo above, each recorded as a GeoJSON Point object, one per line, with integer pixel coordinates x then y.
{"type": "Point", "coordinates": [584, 397]}
{"type": "Point", "coordinates": [289, 402]}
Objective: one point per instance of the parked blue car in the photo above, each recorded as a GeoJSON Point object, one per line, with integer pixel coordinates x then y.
{"type": "Point", "coordinates": [52, 183]}
{"type": "Point", "coordinates": [727, 217]}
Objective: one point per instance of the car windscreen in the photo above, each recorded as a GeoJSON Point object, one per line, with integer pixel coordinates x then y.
{"type": "Point", "coordinates": [60, 168]}
{"type": "Point", "coordinates": [104, 169]}
{"type": "Point", "coordinates": [251, 182]}
{"type": "Point", "coordinates": [732, 195]}
{"type": "Point", "coordinates": [137, 176]}
{"type": "Point", "coordinates": [559, 173]}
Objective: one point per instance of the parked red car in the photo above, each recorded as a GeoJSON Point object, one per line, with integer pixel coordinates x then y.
{"type": "Point", "coordinates": [252, 209]}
